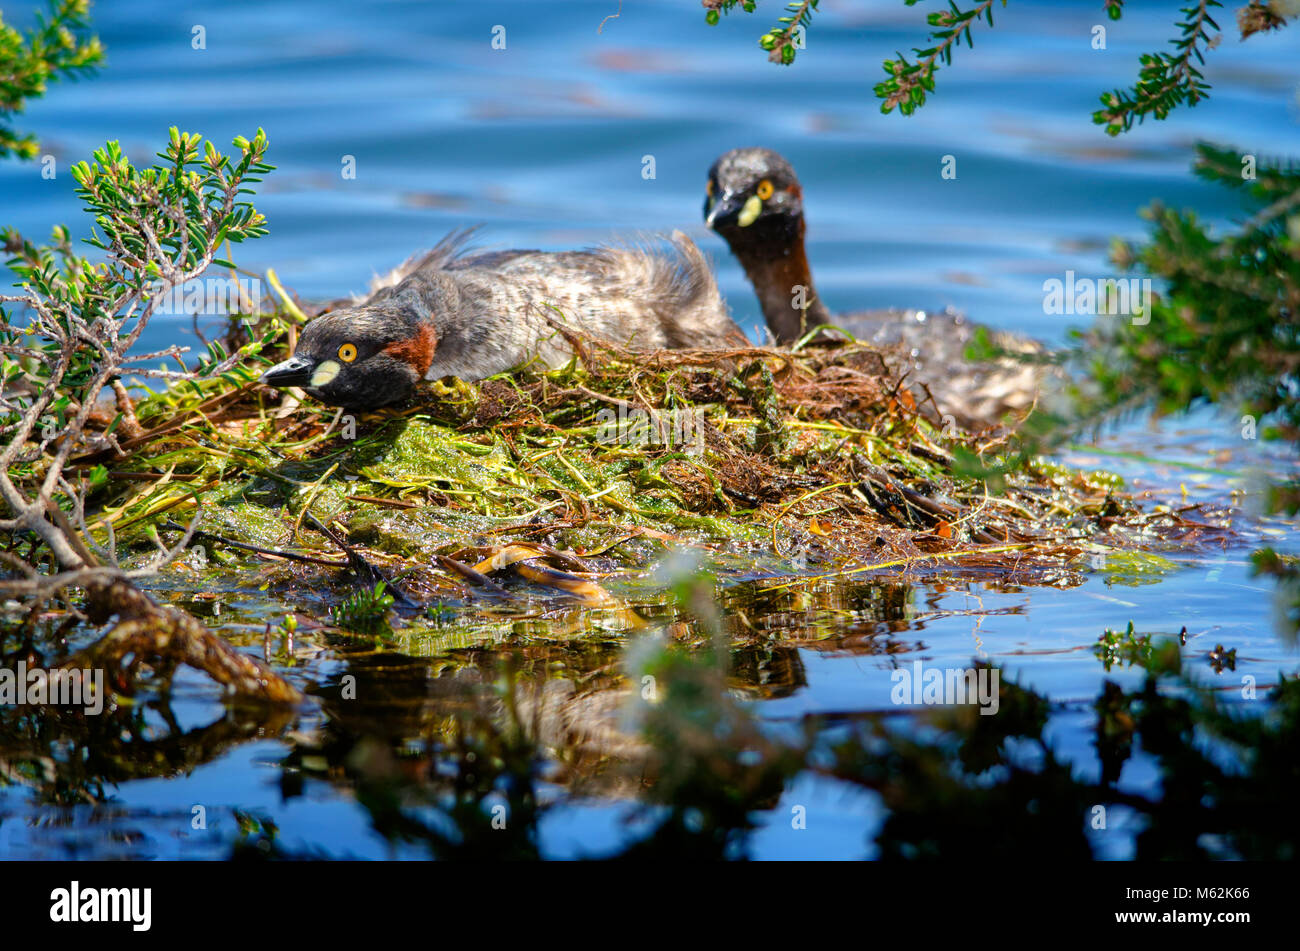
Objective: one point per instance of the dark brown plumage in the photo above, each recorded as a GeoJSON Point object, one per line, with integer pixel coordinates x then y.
{"type": "Point", "coordinates": [471, 315]}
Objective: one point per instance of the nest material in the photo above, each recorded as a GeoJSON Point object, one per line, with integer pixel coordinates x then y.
{"type": "Point", "coordinates": [821, 460]}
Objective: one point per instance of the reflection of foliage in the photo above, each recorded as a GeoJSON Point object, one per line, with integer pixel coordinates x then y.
{"type": "Point", "coordinates": [483, 793]}
{"type": "Point", "coordinates": [709, 769]}
{"type": "Point", "coordinates": [67, 757]}
{"type": "Point", "coordinates": [699, 752]}
{"type": "Point", "coordinates": [56, 48]}
{"type": "Point", "coordinates": [1229, 799]}
{"type": "Point", "coordinates": [967, 789]}
{"type": "Point", "coordinates": [709, 762]}
{"type": "Point", "coordinates": [490, 809]}
{"type": "Point", "coordinates": [470, 772]}
{"type": "Point", "coordinates": [1232, 798]}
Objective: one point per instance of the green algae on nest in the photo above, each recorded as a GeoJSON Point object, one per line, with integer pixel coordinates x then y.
{"type": "Point", "coordinates": [423, 452]}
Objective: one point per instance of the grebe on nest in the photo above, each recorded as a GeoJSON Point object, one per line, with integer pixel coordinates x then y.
{"type": "Point", "coordinates": [471, 315]}
{"type": "Point", "coordinates": [754, 201]}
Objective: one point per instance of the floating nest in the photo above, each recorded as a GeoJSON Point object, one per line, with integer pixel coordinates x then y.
{"type": "Point", "coordinates": [792, 467]}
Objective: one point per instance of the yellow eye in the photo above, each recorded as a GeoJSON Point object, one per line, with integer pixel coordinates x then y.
{"type": "Point", "coordinates": [765, 190]}
{"type": "Point", "coordinates": [708, 188]}
{"type": "Point", "coordinates": [347, 353]}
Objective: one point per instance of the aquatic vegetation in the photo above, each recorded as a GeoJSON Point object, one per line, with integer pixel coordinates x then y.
{"type": "Point", "coordinates": [1136, 650]}
{"type": "Point", "coordinates": [817, 456]}
{"type": "Point", "coordinates": [816, 463]}
{"type": "Point", "coordinates": [364, 611]}
{"type": "Point", "coordinates": [1135, 568]}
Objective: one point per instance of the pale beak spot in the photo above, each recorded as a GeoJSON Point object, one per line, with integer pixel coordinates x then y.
{"type": "Point", "coordinates": [753, 207]}
{"type": "Point", "coordinates": [325, 373]}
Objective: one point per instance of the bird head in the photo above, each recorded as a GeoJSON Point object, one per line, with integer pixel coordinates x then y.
{"type": "Point", "coordinates": [359, 357]}
{"type": "Point", "coordinates": [753, 198]}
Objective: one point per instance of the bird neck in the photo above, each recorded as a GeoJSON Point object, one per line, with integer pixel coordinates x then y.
{"type": "Point", "coordinates": [777, 267]}
{"type": "Point", "coordinates": [480, 322]}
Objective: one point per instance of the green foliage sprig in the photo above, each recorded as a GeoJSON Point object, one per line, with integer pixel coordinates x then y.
{"type": "Point", "coordinates": [909, 82]}
{"type": "Point", "coordinates": [1166, 80]}
{"type": "Point", "coordinates": [56, 48]}
{"type": "Point", "coordinates": [159, 228]}
{"type": "Point", "coordinates": [1227, 327]}
{"type": "Point", "coordinates": [1225, 331]}
{"type": "Point", "coordinates": [714, 8]}
{"type": "Point", "coordinates": [778, 41]}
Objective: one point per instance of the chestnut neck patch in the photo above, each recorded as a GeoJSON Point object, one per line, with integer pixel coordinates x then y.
{"type": "Point", "coordinates": [416, 350]}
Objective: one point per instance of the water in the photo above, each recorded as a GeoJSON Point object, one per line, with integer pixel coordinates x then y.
{"type": "Point", "coordinates": [544, 143]}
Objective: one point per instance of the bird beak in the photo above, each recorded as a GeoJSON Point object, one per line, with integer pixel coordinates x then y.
{"type": "Point", "coordinates": [728, 210]}
{"type": "Point", "coordinates": [296, 371]}
{"type": "Point", "coordinates": [722, 210]}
